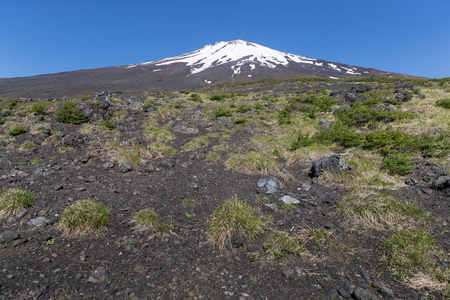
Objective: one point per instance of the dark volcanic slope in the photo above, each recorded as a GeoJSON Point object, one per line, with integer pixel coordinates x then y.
{"type": "Point", "coordinates": [216, 63]}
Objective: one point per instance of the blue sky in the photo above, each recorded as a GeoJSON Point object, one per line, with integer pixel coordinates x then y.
{"type": "Point", "coordinates": [404, 36]}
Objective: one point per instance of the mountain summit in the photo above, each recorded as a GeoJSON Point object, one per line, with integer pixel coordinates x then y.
{"type": "Point", "coordinates": [221, 62]}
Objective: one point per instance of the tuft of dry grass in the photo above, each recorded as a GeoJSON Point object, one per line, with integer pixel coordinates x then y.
{"type": "Point", "coordinates": [12, 200]}
{"type": "Point", "coordinates": [84, 216]}
{"type": "Point", "coordinates": [251, 163]}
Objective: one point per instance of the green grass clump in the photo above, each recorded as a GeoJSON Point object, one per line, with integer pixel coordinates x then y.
{"type": "Point", "coordinates": [252, 162]}
{"type": "Point", "coordinates": [84, 215]}
{"type": "Point", "coordinates": [2, 121]}
{"type": "Point", "coordinates": [397, 164]}
{"type": "Point", "coordinates": [69, 113]}
{"type": "Point", "coordinates": [281, 245]}
{"type": "Point", "coordinates": [412, 252]}
{"type": "Point", "coordinates": [196, 143]}
{"type": "Point", "coordinates": [17, 129]}
{"type": "Point", "coordinates": [147, 219]}
{"type": "Point", "coordinates": [221, 112]}
{"type": "Point", "coordinates": [27, 146]}
{"type": "Point", "coordinates": [233, 218]}
{"type": "Point", "coordinates": [380, 211]}
{"type": "Point", "coordinates": [12, 200]}
{"type": "Point", "coordinates": [445, 103]}
{"type": "Point", "coordinates": [158, 134]}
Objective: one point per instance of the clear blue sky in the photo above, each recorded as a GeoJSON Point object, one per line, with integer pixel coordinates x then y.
{"type": "Point", "coordinates": [405, 36]}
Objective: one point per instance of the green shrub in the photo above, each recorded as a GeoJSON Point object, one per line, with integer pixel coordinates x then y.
{"type": "Point", "coordinates": [233, 218]}
{"type": "Point", "coordinates": [17, 129]}
{"type": "Point", "coordinates": [389, 140]}
{"type": "Point", "coordinates": [243, 109]}
{"type": "Point", "coordinates": [11, 105]}
{"type": "Point", "coordinates": [2, 121]}
{"type": "Point", "coordinates": [195, 98]}
{"type": "Point", "coordinates": [38, 108]}
{"type": "Point", "coordinates": [285, 116]}
{"type": "Point", "coordinates": [146, 106]}
{"type": "Point", "coordinates": [12, 200]}
{"type": "Point", "coordinates": [84, 215]}
{"type": "Point", "coordinates": [108, 124]}
{"type": "Point", "coordinates": [69, 113]}
{"type": "Point", "coordinates": [361, 114]}
{"type": "Point", "coordinates": [341, 134]}
{"type": "Point", "coordinates": [240, 120]}
{"type": "Point", "coordinates": [445, 103]}
{"type": "Point", "coordinates": [397, 164]}
{"type": "Point", "coordinates": [221, 112]}
{"type": "Point", "coordinates": [303, 140]}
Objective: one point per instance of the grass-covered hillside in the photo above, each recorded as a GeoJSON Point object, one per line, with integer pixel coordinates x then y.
{"type": "Point", "coordinates": [228, 193]}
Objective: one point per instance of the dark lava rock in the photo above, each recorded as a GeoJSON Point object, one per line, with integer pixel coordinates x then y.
{"type": "Point", "coordinates": [386, 292]}
{"type": "Point", "coordinates": [362, 294]}
{"type": "Point", "coordinates": [8, 236]}
{"type": "Point", "coordinates": [441, 183]}
{"type": "Point", "coordinates": [333, 163]}
{"type": "Point", "coordinates": [268, 185]}
{"type": "Point", "coordinates": [238, 241]}
{"type": "Point", "coordinates": [126, 167]}
{"type": "Point", "coordinates": [324, 123]}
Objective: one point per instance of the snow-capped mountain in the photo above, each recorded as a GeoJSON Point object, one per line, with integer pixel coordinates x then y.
{"type": "Point", "coordinates": [221, 62]}
{"type": "Point", "coordinates": [243, 57]}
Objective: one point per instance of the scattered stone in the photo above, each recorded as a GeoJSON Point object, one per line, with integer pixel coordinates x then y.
{"type": "Point", "coordinates": [39, 222]}
{"type": "Point", "coordinates": [288, 273]}
{"type": "Point", "coordinates": [362, 294]}
{"type": "Point", "coordinates": [268, 185]}
{"type": "Point", "coordinates": [90, 179]}
{"type": "Point", "coordinates": [386, 292]}
{"type": "Point", "coordinates": [98, 275]}
{"type": "Point", "coordinates": [8, 236]}
{"type": "Point", "coordinates": [185, 128]}
{"type": "Point", "coordinates": [126, 167]}
{"type": "Point", "coordinates": [365, 274]}
{"type": "Point", "coordinates": [305, 186]}
{"type": "Point", "coordinates": [333, 163]}
{"type": "Point", "coordinates": [324, 123]}
{"type": "Point", "coordinates": [238, 241]}
{"type": "Point", "coordinates": [344, 293]}
{"type": "Point", "coordinates": [289, 200]}
{"type": "Point", "coordinates": [21, 213]}
{"type": "Point", "coordinates": [58, 187]}
{"type": "Point", "coordinates": [441, 183]}
{"type": "Point", "coordinates": [107, 166]}
{"type": "Point", "coordinates": [411, 181]}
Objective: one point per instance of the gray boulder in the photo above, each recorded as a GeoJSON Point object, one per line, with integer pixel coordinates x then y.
{"type": "Point", "coordinates": [268, 185]}
{"type": "Point", "coordinates": [333, 163]}
{"type": "Point", "coordinates": [441, 183]}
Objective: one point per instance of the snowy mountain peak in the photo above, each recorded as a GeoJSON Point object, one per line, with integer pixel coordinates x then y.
{"type": "Point", "coordinates": [238, 52]}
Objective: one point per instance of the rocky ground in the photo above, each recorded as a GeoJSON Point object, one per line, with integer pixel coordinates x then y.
{"type": "Point", "coordinates": [340, 259]}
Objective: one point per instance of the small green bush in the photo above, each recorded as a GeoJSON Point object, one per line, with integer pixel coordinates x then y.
{"type": "Point", "coordinates": [341, 134]}
{"type": "Point", "coordinates": [12, 200]}
{"type": "Point", "coordinates": [11, 105]}
{"type": "Point", "coordinates": [2, 121]}
{"type": "Point", "coordinates": [390, 140]}
{"type": "Point", "coordinates": [195, 98]}
{"type": "Point", "coordinates": [84, 215]}
{"type": "Point", "coordinates": [243, 109]}
{"type": "Point", "coordinates": [303, 140]}
{"type": "Point", "coordinates": [70, 114]}
{"type": "Point", "coordinates": [285, 116]}
{"type": "Point", "coordinates": [397, 164]}
{"type": "Point", "coordinates": [38, 108]}
{"type": "Point", "coordinates": [221, 112]}
{"type": "Point", "coordinates": [17, 129]}
{"type": "Point", "coordinates": [240, 120]}
{"type": "Point", "coordinates": [445, 103]}
{"type": "Point", "coordinates": [108, 124]}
